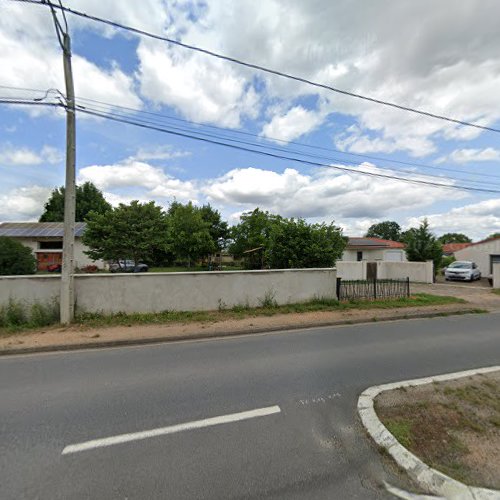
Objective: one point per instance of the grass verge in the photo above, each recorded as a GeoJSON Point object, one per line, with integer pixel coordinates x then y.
{"type": "Point", "coordinates": [268, 308]}
{"type": "Point", "coordinates": [16, 317]}
{"type": "Point", "coordinates": [451, 426]}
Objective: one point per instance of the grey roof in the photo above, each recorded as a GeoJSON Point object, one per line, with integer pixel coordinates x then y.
{"type": "Point", "coordinates": [365, 242]}
{"type": "Point", "coordinates": [37, 229]}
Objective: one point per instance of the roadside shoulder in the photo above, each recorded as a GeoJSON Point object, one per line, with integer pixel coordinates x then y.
{"type": "Point", "coordinates": [426, 477]}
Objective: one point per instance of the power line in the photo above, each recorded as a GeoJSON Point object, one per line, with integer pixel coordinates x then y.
{"type": "Point", "coordinates": [7, 100]}
{"type": "Point", "coordinates": [263, 68]}
{"type": "Point", "coordinates": [156, 121]}
{"type": "Point", "coordinates": [283, 157]}
{"type": "Point", "coordinates": [284, 141]}
{"type": "Point", "coordinates": [159, 117]}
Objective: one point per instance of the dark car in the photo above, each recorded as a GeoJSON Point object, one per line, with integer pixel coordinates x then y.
{"type": "Point", "coordinates": [128, 266]}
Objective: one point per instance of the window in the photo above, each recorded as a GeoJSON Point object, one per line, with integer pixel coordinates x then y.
{"type": "Point", "coordinates": [360, 256]}
{"type": "Point", "coordinates": [50, 245]}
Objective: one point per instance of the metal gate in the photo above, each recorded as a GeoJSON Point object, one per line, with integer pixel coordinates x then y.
{"type": "Point", "coordinates": [372, 289]}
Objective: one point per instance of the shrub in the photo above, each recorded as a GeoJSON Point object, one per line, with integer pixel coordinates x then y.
{"type": "Point", "coordinates": [17, 314]}
{"type": "Point", "coordinates": [91, 268]}
{"type": "Point", "coordinates": [15, 258]}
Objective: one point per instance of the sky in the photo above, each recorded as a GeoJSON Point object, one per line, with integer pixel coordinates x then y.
{"type": "Point", "coordinates": [436, 56]}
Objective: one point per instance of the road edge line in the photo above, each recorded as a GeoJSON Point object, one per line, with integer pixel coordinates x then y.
{"type": "Point", "coordinates": [426, 477]}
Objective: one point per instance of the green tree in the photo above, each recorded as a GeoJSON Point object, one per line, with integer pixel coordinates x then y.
{"type": "Point", "coordinates": [88, 199]}
{"type": "Point", "coordinates": [494, 235]}
{"type": "Point", "coordinates": [252, 233]}
{"type": "Point", "coordinates": [189, 233]}
{"type": "Point", "coordinates": [387, 230]}
{"type": "Point", "coordinates": [293, 243]}
{"type": "Point", "coordinates": [218, 228]}
{"type": "Point", "coordinates": [422, 245]}
{"type": "Point", "coordinates": [135, 231]}
{"type": "Point", "coordinates": [15, 258]}
{"type": "Point", "coordinates": [454, 238]}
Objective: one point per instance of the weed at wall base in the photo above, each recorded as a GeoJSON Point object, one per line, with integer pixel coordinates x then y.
{"type": "Point", "coordinates": [18, 314]}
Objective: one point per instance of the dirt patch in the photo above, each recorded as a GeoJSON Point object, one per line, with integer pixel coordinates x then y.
{"type": "Point", "coordinates": [474, 293]}
{"type": "Point", "coordinates": [451, 426]}
{"type": "Point", "coordinates": [81, 334]}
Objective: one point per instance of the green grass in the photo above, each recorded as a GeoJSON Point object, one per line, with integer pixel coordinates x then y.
{"type": "Point", "coordinates": [496, 291]}
{"type": "Point", "coordinates": [401, 430]}
{"type": "Point", "coordinates": [268, 308]}
{"type": "Point", "coordinates": [16, 316]}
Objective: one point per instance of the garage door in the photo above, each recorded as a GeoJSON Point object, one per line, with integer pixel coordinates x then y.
{"type": "Point", "coordinates": [493, 260]}
{"type": "Point", "coordinates": [394, 255]}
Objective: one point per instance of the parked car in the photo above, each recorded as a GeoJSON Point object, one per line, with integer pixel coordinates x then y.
{"type": "Point", "coordinates": [128, 266]}
{"type": "Point", "coordinates": [54, 268]}
{"type": "Point", "coordinates": [462, 270]}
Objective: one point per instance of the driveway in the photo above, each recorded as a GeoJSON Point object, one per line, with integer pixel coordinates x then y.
{"type": "Point", "coordinates": [267, 416]}
{"type": "Point", "coordinates": [477, 293]}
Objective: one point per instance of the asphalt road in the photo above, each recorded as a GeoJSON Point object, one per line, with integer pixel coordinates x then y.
{"type": "Point", "coordinates": [311, 447]}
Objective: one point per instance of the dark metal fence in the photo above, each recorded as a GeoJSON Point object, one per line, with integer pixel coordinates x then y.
{"type": "Point", "coordinates": [372, 289]}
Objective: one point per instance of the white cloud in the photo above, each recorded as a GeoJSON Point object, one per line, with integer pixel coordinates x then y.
{"type": "Point", "coordinates": [295, 122]}
{"type": "Point", "coordinates": [11, 155]}
{"type": "Point", "coordinates": [322, 194]}
{"type": "Point", "coordinates": [24, 203]}
{"type": "Point", "coordinates": [476, 220]}
{"type": "Point", "coordinates": [136, 174]}
{"type": "Point", "coordinates": [203, 89]}
{"type": "Point", "coordinates": [30, 57]}
{"type": "Point", "coordinates": [468, 155]}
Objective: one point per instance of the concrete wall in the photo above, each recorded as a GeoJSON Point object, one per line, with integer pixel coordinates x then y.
{"type": "Point", "coordinates": [496, 275]}
{"type": "Point", "coordinates": [155, 292]}
{"type": "Point", "coordinates": [372, 255]}
{"type": "Point", "coordinates": [351, 270]}
{"type": "Point", "coordinates": [480, 254]}
{"type": "Point", "coordinates": [30, 289]}
{"type": "Point", "coordinates": [416, 271]}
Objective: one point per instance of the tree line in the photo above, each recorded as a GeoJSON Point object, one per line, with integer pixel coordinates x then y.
{"type": "Point", "coordinates": [185, 233]}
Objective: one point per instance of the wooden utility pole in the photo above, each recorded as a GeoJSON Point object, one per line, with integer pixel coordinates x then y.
{"type": "Point", "coordinates": [67, 295]}
{"type": "Point", "coordinates": [67, 299]}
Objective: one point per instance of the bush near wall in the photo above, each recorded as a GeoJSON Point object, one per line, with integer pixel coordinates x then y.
{"type": "Point", "coordinates": [15, 258]}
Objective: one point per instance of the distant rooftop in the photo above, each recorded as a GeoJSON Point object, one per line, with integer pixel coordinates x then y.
{"type": "Point", "coordinates": [37, 229]}
{"type": "Point", "coordinates": [449, 248]}
{"type": "Point", "coordinates": [373, 243]}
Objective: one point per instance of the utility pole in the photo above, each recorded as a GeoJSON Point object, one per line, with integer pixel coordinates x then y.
{"type": "Point", "coordinates": [67, 299]}
{"type": "Point", "coordinates": [67, 295]}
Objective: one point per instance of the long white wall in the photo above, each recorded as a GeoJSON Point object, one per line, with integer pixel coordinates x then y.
{"type": "Point", "coordinates": [197, 291]}
{"type": "Point", "coordinates": [416, 271]}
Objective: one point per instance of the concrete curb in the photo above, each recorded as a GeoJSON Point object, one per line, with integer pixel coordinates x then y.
{"type": "Point", "coordinates": [426, 477]}
{"type": "Point", "coordinates": [219, 335]}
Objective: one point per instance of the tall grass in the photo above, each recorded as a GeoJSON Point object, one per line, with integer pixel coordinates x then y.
{"type": "Point", "coordinates": [17, 315]}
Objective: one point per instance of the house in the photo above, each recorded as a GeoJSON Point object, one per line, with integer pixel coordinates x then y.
{"type": "Point", "coordinates": [46, 241]}
{"type": "Point", "coordinates": [483, 253]}
{"type": "Point", "coordinates": [450, 248]}
{"type": "Point", "coordinates": [374, 249]}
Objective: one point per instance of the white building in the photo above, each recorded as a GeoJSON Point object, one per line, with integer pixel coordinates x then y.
{"type": "Point", "coordinates": [46, 241]}
{"type": "Point", "coordinates": [374, 249]}
{"type": "Point", "coordinates": [483, 253]}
